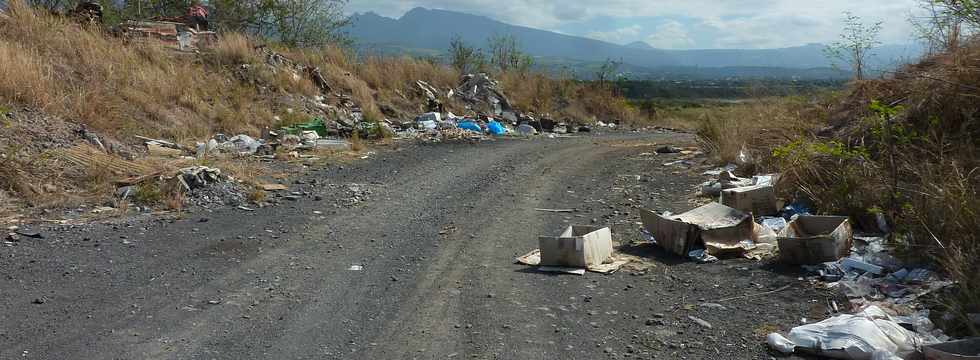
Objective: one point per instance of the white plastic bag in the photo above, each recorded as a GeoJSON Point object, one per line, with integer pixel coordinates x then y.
{"type": "Point", "coordinates": [868, 335]}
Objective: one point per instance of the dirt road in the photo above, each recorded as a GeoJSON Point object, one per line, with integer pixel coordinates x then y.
{"type": "Point", "coordinates": [435, 229]}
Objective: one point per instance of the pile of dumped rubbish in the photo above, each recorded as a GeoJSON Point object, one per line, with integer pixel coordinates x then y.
{"type": "Point", "coordinates": [435, 126]}
{"type": "Point", "coordinates": [490, 114]}
{"type": "Point", "coordinates": [889, 320]}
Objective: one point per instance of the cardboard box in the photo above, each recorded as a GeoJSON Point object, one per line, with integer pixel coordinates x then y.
{"type": "Point", "coordinates": [578, 246]}
{"type": "Point", "coordinates": [717, 227]}
{"type": "Point", "coordinates": [760, 200]}
{"type": "Point", "coordinates": [811, 240]}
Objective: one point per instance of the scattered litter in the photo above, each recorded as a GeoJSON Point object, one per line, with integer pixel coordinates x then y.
{"type": "Point", "coordinates": [333, 144]}
{"type": "Point", "coordinates": [757, 199]}
{"type": "Point", "coordinates": [556, 210]}
{"type": "Point", "coordinates": [155, 149]}
{"type": "Point", "coordinates": [716, 227]}
{"type": "Point", "coordinates": [482, 91]}
{"type": "Point", "coordinates": [470, 126]}
{"type": "Point", "coordinates": [780, 343]}
{"type": "Point", "coordinates": [775, 223]}
{"type": "Point", "coordinates": [29, 233]}
{"type": "Point", "coordinates": [577, 246]}
{"type": "Point", "coordinates": [526, 130]}
{"type": "Point", "coordinates": [701, 256]}
{"type": "Point", "coordinates": [698, 321]}
{"type": "Point", "coordinates": [810, 240]}
{"type": "Point", "coordinates": [718, 171]}
{"type": "Point", "coordinates": [495, 128]}
{"type": "Point", "coordinates": [870, 334]}
{"type": "Point", "coordinates": [679, 162]}
{"type": "Point", "coordinates": [563, 270]}
{"type": "Point", "coordinates": [274, 187]}
{"type": "Point", "coordinates": [850, 263]}
{"type": "Point", "coordinates": [196, 177]}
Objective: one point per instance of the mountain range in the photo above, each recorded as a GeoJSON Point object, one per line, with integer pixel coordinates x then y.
{"type": "Point", "coordinates": [428, 32]}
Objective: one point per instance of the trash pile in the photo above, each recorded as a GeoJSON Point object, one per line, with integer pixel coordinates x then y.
{"type": "Point", "coordinates": [889, 320]}
{"type": "Point", "coordinates": [175, 34]}
{"type": "Point", "coordinates": [198, 185]}
{"type": "Point", "coordinates": [490, 114]}
{"type": "Point", "coordinates": [481, 93]}
{"type": "Point", "coordinates": [303, 137]}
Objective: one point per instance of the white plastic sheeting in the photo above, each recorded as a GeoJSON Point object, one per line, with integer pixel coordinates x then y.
{"type": "Point", "coordinates": [868, 335]}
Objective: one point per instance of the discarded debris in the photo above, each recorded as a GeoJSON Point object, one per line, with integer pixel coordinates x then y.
{"type": "Point", "coordinates": [850, 263]}
{"type": "Point", "coordinates": [577, 249]}
{"type": "Point", "coordinates": [577, 246]}
{"type": "Point", "coordinates": [870, 334]}
{"type": "Point", "coordinates": [556, 210]}
{"type": "Point", "coordinates": [196, 177]}
{"type": "Point", "coordinates": [613, 264]}
{"type": "Point", "coordinates": [526, 130]}
{"type": "Point", "coordinates": [274, 187]}
{"type": "Point", "coordinates": [701, 256]}
{"type": "Point", "coordinates": [29, 233]}
{"type": "Point", "coordinates": [700, 322]}
{"type": "Point", "coordinates": [756, 199]}
{"type": "Point", "coordinates": [811, 240]}
{"type": "Point", "coordinates": [482, 91]}
{"type": "Point", "coordinates": [715, 227]}
{"type": "Point", "coordinates": [155, 149]}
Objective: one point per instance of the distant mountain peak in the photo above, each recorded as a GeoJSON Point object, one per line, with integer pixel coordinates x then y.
{"type": "Point", "coordinates": [417, 11]}
{"type": "Point", "coordinates": [640, 45]}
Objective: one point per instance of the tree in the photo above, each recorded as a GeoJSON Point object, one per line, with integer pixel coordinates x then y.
{"type": "Point", "coordinates": [964, 10]}
{"type": "Point", "coordinates": [463, 57]}
{"type": "Point", "coordinates": [855, 44]}
{"type": "Point", "coordinates": [506, 54]}
{"type": "Point", "coordinates": [308, 23]}
{"type": "Point", "coordinates": [607, 71]}
{"type": "Point", "coordinates": [940, 29]}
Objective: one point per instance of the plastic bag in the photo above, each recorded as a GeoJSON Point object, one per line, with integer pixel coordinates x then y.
{"type": "Point", "coordinates": [870, 334]}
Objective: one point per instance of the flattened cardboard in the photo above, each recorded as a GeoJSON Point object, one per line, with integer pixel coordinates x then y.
{"type": "Point", "coordinates": [811, 240]}
{"type": "Point", "coordinates": [578, 246]}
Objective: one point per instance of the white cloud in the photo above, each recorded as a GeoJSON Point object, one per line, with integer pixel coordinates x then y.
{"type": "Point", "coordinates": [739, 23]}
{"type": "Point", "coordinates": [618, 36]}
{"type": "Point", "coordinates": [671, 35]}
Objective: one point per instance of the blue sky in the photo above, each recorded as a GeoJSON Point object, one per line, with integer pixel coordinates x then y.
{"type": "Point", "coordinates": [685, 24]}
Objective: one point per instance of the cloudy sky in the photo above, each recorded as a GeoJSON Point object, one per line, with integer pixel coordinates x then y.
{"type": "Point", "coordinates": [680, 24]}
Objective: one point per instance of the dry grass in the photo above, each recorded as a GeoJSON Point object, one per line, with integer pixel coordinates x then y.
{"type": "Point", "coordinates": [914, 159]}
{"type": "Point", "coordinates": [106, 83]}
{"type": "Point", "coordinates": [755, 126]}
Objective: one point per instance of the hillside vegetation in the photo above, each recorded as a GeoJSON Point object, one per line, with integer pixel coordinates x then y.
{"type": "Point", "coordinates": [76, 79]}
{"type": "Point", "coordinates": [903, 146]}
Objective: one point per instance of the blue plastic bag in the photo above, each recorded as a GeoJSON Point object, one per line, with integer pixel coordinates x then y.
{"type": "Point", "coordinates": [471, 126]}
{"type": "Point", "coordinates": [496, 128]}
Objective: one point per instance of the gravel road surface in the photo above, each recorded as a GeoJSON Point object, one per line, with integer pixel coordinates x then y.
{"type": "Point", "coordinates": [407, 255]}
